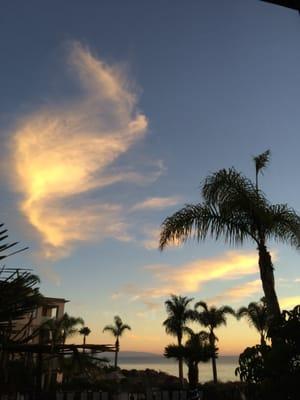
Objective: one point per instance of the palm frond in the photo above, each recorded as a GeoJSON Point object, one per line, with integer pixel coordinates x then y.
{"type": "Point", "coordinates": [202, 220]}
{"type": "Point", "coordinates": [261, 161]}
{"type": "Point", "coordinates": [118, 328]}
{"type": "Point", "coordinates": [110, 329]}
{"type": "Point", "coordinates": [284, 225]}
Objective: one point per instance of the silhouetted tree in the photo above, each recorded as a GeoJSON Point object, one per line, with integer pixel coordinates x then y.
{"type": "Point", "coordinates": [212, 318]}
{"type": "Point", "coordinates": [235, 208]}
{"type": "Point", "coordinates": [62, 328]}
{"type": "Point", "coordinates": [196, 349]}
{"type": "Point", "coordinates": [85, 331]}
{"type": "Point", "coordinates": [257, 315]}
{"type": "Point", "coordinates": [117, 330]}
{"type": "Point", "coordinates": [179, 314]}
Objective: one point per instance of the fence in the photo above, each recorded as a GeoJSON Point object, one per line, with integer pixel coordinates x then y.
{"type": "Point", "coordinates": [149, 395]}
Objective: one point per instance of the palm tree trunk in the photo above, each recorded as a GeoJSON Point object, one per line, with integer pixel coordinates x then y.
{"type": "Point", "coordinates": [268, 283]}
{"type": "Point", "coordinates": [84, 343]}
{"type": "Point", "coordinates": [214, 369]}
{"type": "Point", "coordinates": [116, 359]}
{"type": "Point", "coordinates": [193, 374]}
{"type": "Point", "coordinates": [262, 339]}
{"type": "Point", "coordinates": [180, 363]}
{"type": "Point", "coordinates": [213, 359]}
{"type": "Point", "coordinates": [116, 352]}
{"type": "Point", "coordinates": [180, 370]}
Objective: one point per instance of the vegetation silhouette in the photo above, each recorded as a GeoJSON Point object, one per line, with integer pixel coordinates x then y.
{"type": "Point", "coordinates": [117, 330]}
{"type": "Point", "coordinates": [179, 314]}
{"type": "Point", "coordinates": [62, 328]}
{"type": "Point", "coordinates": [273, 372]}
{"type": "Point", "coordinates": [196, 349]}
{"type": "Point", "coordinates": [257, 315]}
{"type": "Point", "coordinates": [235, 208]}
{"type": "Point", "coordinates": [212, 318]}
{"type": "Point", "coordinates": [85, 331]}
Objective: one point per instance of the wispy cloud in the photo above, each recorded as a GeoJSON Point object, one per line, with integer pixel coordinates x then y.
{"type": "Point", "coordinates": [149, 238]}
{"type": "Point", "coordinates": [240, 293]}
{"type": "Point", "coordinates": [189, 278]}
{"type": "Point", "coordinates": [61, 152]}
{"type": "Point", "coordinates": [157, 203]}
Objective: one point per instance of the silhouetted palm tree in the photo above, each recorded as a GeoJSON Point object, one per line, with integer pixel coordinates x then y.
{"type": "Point", "coordinates": [196, 349]}
{"type": "Point", "coordinates": [179, 314]}
{"type": "Point", "coordinates": [85, 331]}
{"type": "Point", "coordinates": [257, 316]}
{"type": "Point", "coordinates": [62, 328]}
{"type": "Point", "coordinates": [235, 208]}
{"type": "Point", "coordinates": [212, 318]}
{"type": "Point", "coordinates": [117, 330]}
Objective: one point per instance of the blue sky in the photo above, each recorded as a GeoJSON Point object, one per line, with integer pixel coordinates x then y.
{"type": "Point", "coordinates": [111, 114]}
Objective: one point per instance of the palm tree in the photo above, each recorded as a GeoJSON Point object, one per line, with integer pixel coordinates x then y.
{"type": "Point", "coordinates": [196, 349]}
{"type": "Point", "coordinates": [257, 316]}
{"type": "Point", "coordinates": [85, 331]}
{"type": "Point", "coordinates": [62, 328]}
{"type": "Point", "coordinates": [117, 330]}
{"type": "Point", "coordinates": [234, 207]}
{"type": "Point", "coordinates": [179, 314]}
{"type": "Point", "coordinates": [211, 318]}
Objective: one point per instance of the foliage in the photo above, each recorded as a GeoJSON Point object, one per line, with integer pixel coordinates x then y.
{"type": "Point", "coordinates": [257, 315]}
{"type": "Point", "coordinates": [19, 295]}
{"type": "Point", "coordinates": [179, 314]}
{"type": "Point", "coordinates": [85, 331]}
{"type": "Point", "coordinates": [234, 208]}
{"type": "Point", "coordinates": [252, 368]}
{"type": "Point", "coordinates": [196, 349]}
{"type": "Point", "coordinates": [61, 328]}
{"type": "Point", "coordinates": [211, 318]}
{"type": "Point", "coordinates": [117, 330]}
{"type": "Point", "coordinates": [276, 368]}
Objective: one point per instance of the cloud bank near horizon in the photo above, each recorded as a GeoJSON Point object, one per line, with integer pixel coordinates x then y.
{"type": "Point", "coordinates": [62, 152]}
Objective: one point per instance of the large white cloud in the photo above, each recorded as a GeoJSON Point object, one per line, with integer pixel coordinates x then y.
{"type": "Point", "coordinates": [62, 151]}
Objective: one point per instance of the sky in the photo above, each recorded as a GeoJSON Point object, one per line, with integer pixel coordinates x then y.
{"type": "Point", "coordinates": [111, 115]}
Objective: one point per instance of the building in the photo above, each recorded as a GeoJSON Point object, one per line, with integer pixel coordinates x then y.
{"type": "Point", "coordinates": [51, 307]}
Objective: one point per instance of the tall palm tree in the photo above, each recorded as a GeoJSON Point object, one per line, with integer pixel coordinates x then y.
{"type": "Point", "coordinates": [212, 318]}
{"type": "Point", "coordinates": [117, 330]}
{"type": "Point", "coordinates": [235, 208]}
{"type": "Point", "coordinates": [179, 314]}
{"type": "Point", "coordinates": [84, 331]}
{"type": "Point", "coordinates": [257, 316]}
{"type": "Point", "coordinates": [196, 349]}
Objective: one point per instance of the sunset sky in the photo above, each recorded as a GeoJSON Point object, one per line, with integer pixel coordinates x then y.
{"type": "Point", "coordinates": [111, 114]}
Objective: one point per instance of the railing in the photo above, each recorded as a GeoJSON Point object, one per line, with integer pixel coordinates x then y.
{"type": "Point", "coordinates": [148, 395]}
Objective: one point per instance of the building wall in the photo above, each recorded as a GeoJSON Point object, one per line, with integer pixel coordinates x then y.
{"type": "Point", "coordinates": [52, 308]}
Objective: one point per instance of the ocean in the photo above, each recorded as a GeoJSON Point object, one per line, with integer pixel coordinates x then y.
{"type": "Point", "coordinates": [226, 365]}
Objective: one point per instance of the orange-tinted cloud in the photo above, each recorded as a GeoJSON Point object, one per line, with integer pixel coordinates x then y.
{"type": "Point", "coordinates": [239, 293]}
{"type": "Point", "coordinates": [190, 277]}
{"type": "Point", "coordinates": [63, 151]}
{"type": "Point", "coordinates": [156, 203]}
